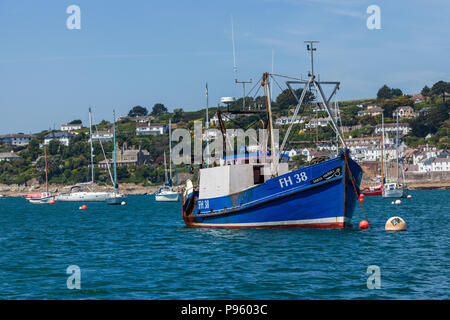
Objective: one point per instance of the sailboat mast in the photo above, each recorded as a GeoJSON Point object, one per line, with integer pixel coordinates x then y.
{"type": "Point", "coordinates": [46, 170]}
{"type": "Point", "coordinates": [382, 149]}
{"type": "Point", "coordinates": [92, 154]}
{"type": "Point", "coordinates": [170, 150]}
{"type": "Point", "coordinates": [165, 168]}
{"type": "Point", "coordinates": [398, 177]}
{"type": "Point", "coordinates": [207, 128]}
{"type": "Point", "coordinates": [114, 154]}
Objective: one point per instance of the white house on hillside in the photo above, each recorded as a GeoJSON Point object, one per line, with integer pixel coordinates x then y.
{"type": "Point", "coordinates": [71, 127]}
{"type": "Point", "coordinates": [63, 137]}
{"type": "Point", "coordinates": [151, 128]}
{"type": "Point", "coordinates": [403, 128]}
{"type": "Point", "coordinates": [434, 165]}
{"type": "Point", "coordinates": [102, 136]}
{"type": "Point", "coordinates": [16, 139]}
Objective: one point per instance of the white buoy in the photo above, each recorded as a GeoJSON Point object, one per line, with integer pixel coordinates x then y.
{"type": "Point", "coordinates": [123, 203]}
{"type": "Point", "coordinates": [395, 224]}
{"type": "Point", "coordinates": [409, 196]}
{"type": "Point", "coordinates": [392, 202]}
{"type": "Point", "coordinates": [398, 201]}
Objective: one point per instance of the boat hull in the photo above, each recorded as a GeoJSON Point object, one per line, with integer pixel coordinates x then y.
{"type": "Point", "coordinates": [168, 197]}
{"type": "Point", "coordinates": [84, 197]}
{"type": "Point", "coordinates": [373, 192]}
{"type": "Point", "coordinates": [116, 199]}
{"type": "Point", "coordinates": [43, 200]}
{"type": "Point", "coordinates": [396, 193]}
{"type": "Point", "coordinates": [324, 198]}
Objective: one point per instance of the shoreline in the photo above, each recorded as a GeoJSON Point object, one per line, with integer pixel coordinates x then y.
{"type": "Point", "coordinates": [9, 191]}
{"type": "Point", "coordinates": [125, 188]}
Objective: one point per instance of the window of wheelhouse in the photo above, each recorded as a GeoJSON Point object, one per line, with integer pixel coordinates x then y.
{"type": "Point", "coordinates": [258, 176]}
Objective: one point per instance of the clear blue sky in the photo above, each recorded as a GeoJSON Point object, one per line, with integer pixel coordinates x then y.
{"type": "Point", "coordinates": [131, 53]}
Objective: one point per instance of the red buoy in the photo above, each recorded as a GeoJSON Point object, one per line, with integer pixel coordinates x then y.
{"type": "Point", "coordinates": [362, 195]}
{"type": "Point", "coordinates": [363, 224]}
{"type": "Point", "coordinates": [83, 207]}
{"type": "Point", "coordinates": [361, 199]}
{"type": "Point", "coordinates": [51, 202]}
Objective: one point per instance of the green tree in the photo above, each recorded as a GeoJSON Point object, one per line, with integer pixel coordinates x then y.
{"type": "Point", "coordinates": [158, 109]}
{"type": "Point", "coordinates": [426, 91]}
{"type": "Point", "coordinates": [440, 88]}
{"type": "Point", "coordinates": [33, 149]}
{"type": "Point", "coordinates": [177, 115]}
{"type": "Point", "coordinates": [388, 93]}
{"type": "Point", "coordinates": [286, 99]}
{"type": "Point", "coordinates": [138, 111]}
{"type": "Point", "coordinates": [384, 93]}
{"type": "Point", "coordinates": [78, 121]}
{"type": "Point", "coordinates": [54, 147]}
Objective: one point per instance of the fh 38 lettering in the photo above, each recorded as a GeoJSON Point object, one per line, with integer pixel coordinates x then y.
{"type": "Point", "coordinates": [294, 179]}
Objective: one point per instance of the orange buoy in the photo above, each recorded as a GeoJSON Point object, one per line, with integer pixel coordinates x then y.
{"type": "Point", "coordinates": [51, 202]}
{"type": "Point", "coordinates": [364, 224]}
{"type": "Point", "coordinates": [361, 199]}
{"type": "Point", "coordinates": [83, 207]}
{"type": "Point", "coordinates": [395, 224]}
{"type": "Point", "coordinates": [361, 195]}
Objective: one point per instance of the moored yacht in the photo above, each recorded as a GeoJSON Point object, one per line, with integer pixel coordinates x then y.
{"type": "Point", "coordinates": [168, 193]}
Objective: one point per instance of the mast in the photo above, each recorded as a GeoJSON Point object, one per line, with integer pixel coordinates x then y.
{"type": "Point", "coordinates": [308, 86]}
{"type": "Point", "coordinates": [398, 177]}
{"type": "Point", "coordinates": [207, 128]}
{"type": "Point", "coordinates": [165, 168]}
{"type": "Point", "coordinates": [382, 149]}
{"type": "Point", "coordinates": [46, 170]}
{"type": "Point", "coordinates": [274, 166]}
{"type": "Point", "coordinates": [92, 155]}
{"type": "Point", "coordinates": [170, 151]}
{"type": "Point", "coordinates": [235, 68]}
{"type": "Point", "coordinates": [114, 142]}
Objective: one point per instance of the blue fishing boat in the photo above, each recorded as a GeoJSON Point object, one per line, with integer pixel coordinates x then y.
{"type": "Point", "coordinates": [265, 194]}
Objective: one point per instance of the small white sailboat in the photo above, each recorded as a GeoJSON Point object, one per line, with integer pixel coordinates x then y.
{"type": "Point", "coordinates": [395, 189]}
{"type": "Point", "coordinates": [44, 197]}
{"type": "Point", "coordinates": [115, 198]}
{"type": "Point", "coordinates": [167, 192]}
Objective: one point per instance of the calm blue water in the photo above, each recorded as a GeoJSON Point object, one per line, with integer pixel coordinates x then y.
{"type": "Point", "coordinates": [144, 251]}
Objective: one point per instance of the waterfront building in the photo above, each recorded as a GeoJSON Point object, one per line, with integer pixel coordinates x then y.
{"type": "Point", "coordinates": [434, 164]}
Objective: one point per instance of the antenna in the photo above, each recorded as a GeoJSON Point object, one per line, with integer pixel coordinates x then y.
{"type": "Point", "coordinates": [310, 47]}
{"type": "Point", "coordinates": [234, 50]}
{"type": "Point", "coordinates": [207, 127]}
{"type": "Point", "coordinates": [235, 66]}
{"type": "Point", "coordinates": [271, 86]}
